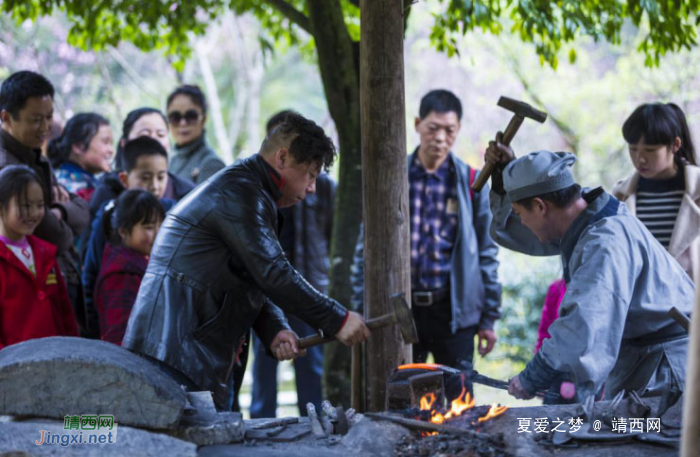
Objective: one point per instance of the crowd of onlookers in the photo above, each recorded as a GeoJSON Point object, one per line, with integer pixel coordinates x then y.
{"type": "Point", "coordinates": [80, 211]}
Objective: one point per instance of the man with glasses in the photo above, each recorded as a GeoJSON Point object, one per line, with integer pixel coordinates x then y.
{"type": "Point", "coordinates": [454, 282]}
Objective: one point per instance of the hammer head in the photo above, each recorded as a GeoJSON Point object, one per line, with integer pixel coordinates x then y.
{"type": "Point", "coordinates": [522, 109]}
{"type": "Point", "coordinates": [404, 318]}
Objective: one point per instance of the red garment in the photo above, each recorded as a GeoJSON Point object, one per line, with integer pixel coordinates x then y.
{"type": "Point", "coordinates": [33, 306]}
{"type": "Point", "coordinates": [86, 193]}
{"type": "Point", "coordinates": [116, 289]}
{"type": "Point", "coordinates": [550, 310]}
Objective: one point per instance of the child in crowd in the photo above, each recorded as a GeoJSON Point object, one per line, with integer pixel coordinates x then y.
{"type": "Point", "coordinates": [562, 390]}
{"type": "Point", "coordinates": [664, 190]}
{"type": "Point", "coordinates": [34, 301]}
{"type": "Point", "coordinates": [140, 122]}
{"type": "Point", "coordinates": [145, 164]}
{"type": "Point", "coordinates": [132, 223]}
{"type": "Point", "coordinates": [83, 150]}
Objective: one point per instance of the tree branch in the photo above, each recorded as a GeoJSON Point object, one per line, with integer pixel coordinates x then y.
{"type": "Point", "coordinates": [355, 2]}
{"type": "Point", "coordinates": [407, 4]}
{"type": "Point", "coordinates": [292, 14]}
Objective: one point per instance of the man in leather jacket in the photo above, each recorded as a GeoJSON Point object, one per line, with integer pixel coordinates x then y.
{"type": "Point", "coordinates": [217, 268]}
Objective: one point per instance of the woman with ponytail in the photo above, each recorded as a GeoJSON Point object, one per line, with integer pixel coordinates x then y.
{"type": "Point", "coordinates": [664, 190]}
{"type": "Point", "coordinates": [83, 150]}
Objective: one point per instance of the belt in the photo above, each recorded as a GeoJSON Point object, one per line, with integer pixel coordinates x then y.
{"type": "Point", "coordinates": [428, 297]}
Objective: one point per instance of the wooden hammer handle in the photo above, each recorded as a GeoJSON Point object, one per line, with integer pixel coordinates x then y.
{"type": "Point", "coordinates": [508, 135]}
{"type": "Point", "coordinates": [372, 324]}
{"type": "Point", "coordinates": [680, 318]}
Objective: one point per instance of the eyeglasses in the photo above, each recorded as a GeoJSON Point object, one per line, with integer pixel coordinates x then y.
{"type": "Point", "coordinates": [190, 117]}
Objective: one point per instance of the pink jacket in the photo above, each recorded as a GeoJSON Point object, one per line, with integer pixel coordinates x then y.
{"type": "Point", "coordinates": [550, 310]}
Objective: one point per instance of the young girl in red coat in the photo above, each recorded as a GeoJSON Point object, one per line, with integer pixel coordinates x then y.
{"type": "Point", "coordinates": [34, 300]}
{"type": "Point", "coordinates": [132, 225]}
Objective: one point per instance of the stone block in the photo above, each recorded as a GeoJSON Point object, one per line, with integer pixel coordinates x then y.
{"type": "Point", "coordinates": [64, 376]}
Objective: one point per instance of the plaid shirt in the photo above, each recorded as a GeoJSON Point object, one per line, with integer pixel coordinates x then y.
{"type": "Point", "coordinates": [434, 219]}
{"type": "Point", "coordinates": [116, 290]}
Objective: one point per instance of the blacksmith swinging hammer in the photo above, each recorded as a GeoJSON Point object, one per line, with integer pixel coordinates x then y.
{"type": "Point", "coordinates": [521, 110]}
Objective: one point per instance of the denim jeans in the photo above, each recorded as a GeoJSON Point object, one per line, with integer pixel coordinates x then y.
{"type": "Point", "coordinates": [308, 373]}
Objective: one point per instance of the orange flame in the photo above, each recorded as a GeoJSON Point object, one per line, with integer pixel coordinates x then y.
{"type": "Point", "coordinates": [419, 366]}
{"type": "Point", "coordinates": [427, 401]}
{"type": "Point", "coordinates": [494, 411]}
{"type": "Point", "coordinates": [457, 408]}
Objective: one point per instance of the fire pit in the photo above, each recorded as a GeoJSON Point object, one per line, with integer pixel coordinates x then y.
{"type": "Point", "coordinates": [437, 393]}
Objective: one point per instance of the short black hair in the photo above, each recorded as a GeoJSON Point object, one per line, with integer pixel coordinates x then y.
{"type": "Point", "coordinates": [141, 146]}
{"type": "Point", "coordinates": [132, 207]}
{"type": "Point", "coordinates": [14, 182]}
{"type": "Point", "coordinates": [19, 87]}
{"type": "Point", "coordinates": [127, 126]}
{"type": "Point", "coordinates": [277, 119]}
{"type": "Point", "coordinates": [80, 129]}
{"type": "Point", "coordinates": [560, 198]}
{"type": "Point", "coordinates": [192, 91]}
{"type": "Point", "coordinates": [660, 123]}
{"type": "Point", "coordinates": [440, 101]}
{"type": "Point", "coordinates": [309, 143]}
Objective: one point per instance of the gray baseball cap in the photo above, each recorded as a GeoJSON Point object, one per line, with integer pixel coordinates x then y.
{"type": "Point", "coordinates": [538, 173]}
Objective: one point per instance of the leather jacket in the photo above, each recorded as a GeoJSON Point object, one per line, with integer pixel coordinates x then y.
{"type": "Point", "coordinates": [215, 270]}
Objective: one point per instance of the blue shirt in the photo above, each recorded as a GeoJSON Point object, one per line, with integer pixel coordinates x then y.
{"type": "Point", "coordinates": [434, 212]}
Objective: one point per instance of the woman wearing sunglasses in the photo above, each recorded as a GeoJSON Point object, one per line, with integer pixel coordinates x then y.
{"type": "Point", "coordinates": [193, 158]}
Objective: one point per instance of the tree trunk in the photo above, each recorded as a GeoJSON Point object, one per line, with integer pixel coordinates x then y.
{"type": "Point", "coordinates": [340, 78]}
{"type": "Point", "coordinates": [385, 185]}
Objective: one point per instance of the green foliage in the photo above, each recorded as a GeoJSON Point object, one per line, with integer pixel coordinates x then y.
{"type": "Point", "coordinates": [525, 282]}
{"type": "Point", "coordinates": [168, 25]}
{"type": "Point", "coordinates": [671, 25]}
{"type": "Point", "coordinates": [162, 25]}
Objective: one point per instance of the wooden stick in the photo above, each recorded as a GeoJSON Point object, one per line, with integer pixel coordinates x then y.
{"type": "Point", "coordinates": [690, 437]}
{"type": "Point", "coordinates": [680, 318]}
{"type": "Point", "coordinates": [357, 396]}
{"type": "Point", "coordinates": [414, 424]}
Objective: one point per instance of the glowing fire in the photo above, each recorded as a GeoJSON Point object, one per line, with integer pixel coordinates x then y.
{"type": "Point", "coordinates": [458, 406]}
{"type": "Point", "coordinates": [463, 403]}
{"type": "Point", "coordinates": [494, 411]}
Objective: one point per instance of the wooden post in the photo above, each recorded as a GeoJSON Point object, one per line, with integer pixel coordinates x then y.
{"type": "Point", "coordinates": [385, 185]}
{"type": "Point", "coordinates": [690, 438]}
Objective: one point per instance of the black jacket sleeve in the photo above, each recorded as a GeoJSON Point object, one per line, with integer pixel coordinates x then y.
{"type": "Point", "coordinates": [248, 229]}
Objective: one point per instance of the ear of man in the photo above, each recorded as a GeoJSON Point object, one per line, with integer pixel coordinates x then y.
{"type": "Point", "coordinates": [123, 175]}
{"type": "Point", "coordinates": [283, 158]}
{"type": "Point", "coordinates": [5, 117]}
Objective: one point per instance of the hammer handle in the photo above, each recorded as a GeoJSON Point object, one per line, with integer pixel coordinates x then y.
{"type": "Point", "coordinates": [679, 317]}
{"type": "Point", "coordinates": [508, 135]}
{"type": "Point", "coordinates": [372, 324]}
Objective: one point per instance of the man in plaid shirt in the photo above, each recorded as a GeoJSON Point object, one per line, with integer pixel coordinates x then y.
{"type": "Point", "coordinates": [455, 291]}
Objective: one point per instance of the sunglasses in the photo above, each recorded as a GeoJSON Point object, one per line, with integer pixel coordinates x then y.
{"type": "Point", "coordinates": [190, 117]}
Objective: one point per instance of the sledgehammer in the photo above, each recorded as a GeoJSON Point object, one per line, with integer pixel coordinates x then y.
{"type": "Point", "coordinates": [401, 316]}
{"type": "Point", "coordinates": [521, 110]}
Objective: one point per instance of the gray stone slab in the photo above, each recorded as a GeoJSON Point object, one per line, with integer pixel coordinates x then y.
{"type": "Point", "coordinates": [63, 376]}
{"type": "Point", "coordinates": [19, 438]}
{"type": "Point", "coordinates": [202, 424]}
{"type": "Point", "coordinates": [365, 438]}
